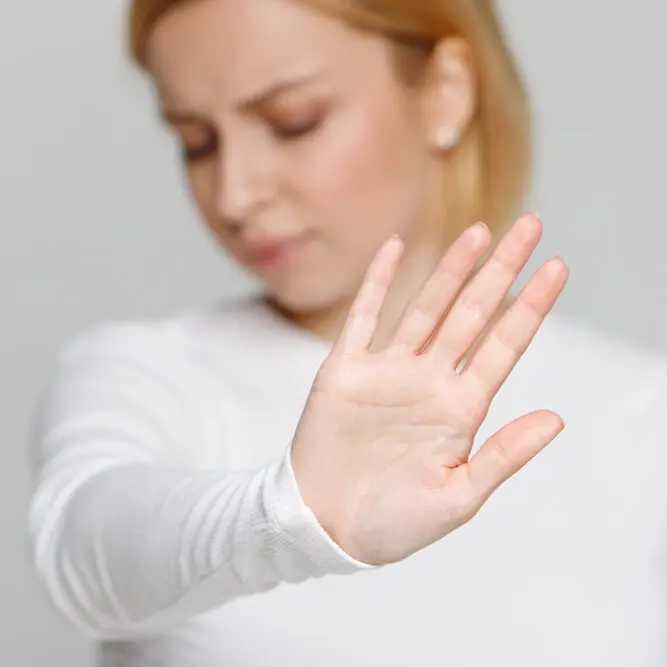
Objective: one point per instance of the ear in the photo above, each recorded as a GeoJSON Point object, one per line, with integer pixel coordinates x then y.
{"type": "Point", "coordinates": [450, 93]}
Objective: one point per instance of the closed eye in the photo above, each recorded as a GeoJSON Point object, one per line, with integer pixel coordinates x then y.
{"type": "Point", "coordinates": [297, 130]}
{"type": "Point", "coordinates": [201, 150]}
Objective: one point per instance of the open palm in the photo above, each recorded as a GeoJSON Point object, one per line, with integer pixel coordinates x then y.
{"type": "Point", "coordinates": [382, 451]}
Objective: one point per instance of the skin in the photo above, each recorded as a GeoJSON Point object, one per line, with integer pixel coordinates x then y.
{"type": "Point", "coordinates": [311, 136]}
{"type": "Point", "coordinates": [382, 453]}
{"type": "Point", "coordinates": [367, 165]}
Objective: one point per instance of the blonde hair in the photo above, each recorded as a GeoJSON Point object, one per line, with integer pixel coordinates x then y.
{"type": "Point", "coordinates": [491, 164]}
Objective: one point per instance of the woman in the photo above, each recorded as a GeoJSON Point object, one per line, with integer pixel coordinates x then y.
{"type": "Point", "coordinates": [341, 151]}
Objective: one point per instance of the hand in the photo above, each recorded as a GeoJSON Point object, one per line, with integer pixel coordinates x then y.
{"type": "Point", "coordinates": [382, 451]}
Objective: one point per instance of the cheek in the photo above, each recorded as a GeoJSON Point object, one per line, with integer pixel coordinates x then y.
{"type": "Point", "coordinates": [200, 179]}
{"type": "Point", "coordinates": [201, 183]}
{"type": "Point", "coordinates": [363, 173]}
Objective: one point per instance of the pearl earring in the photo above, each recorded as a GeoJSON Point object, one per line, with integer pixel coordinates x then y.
{"type": "Point", "coordinates": [447, 138]}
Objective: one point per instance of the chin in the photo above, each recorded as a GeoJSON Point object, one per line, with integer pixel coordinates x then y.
{"type": "Point", "coordinates": [303, 297]}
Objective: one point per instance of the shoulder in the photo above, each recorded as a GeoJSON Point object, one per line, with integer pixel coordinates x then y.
{"type": "Point", "coordinates": [597, 366]}
{"type": "Point", "coordinates": [169, 359]}
{"type": "Point", "coordinates": [197, 361]}
{"type": "Point", "coordinates": [171, 339]}
{"type": "Point", "coordinates": [147, 379]}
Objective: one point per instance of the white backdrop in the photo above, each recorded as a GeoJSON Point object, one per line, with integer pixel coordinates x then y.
{"type": "Point", "coordinates": [96, 224]}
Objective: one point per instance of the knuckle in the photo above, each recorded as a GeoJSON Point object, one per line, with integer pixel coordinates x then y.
{"type": "Point", "coordinates": [501, 454]}
{"type": "Point", "coordinates": [472, 308]}
{"type": "Point", "coordinates": [504, 265]}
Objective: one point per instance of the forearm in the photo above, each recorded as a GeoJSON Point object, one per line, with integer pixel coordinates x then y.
{"type": "Point", "coordinates": [138, 547]}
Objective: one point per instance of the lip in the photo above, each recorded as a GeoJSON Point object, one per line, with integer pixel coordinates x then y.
{"type": "Point", "coordinates": [271, 253]}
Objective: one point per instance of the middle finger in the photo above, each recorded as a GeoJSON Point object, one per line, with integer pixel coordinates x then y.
{"type": "Point", "coordinates": [480, 299]}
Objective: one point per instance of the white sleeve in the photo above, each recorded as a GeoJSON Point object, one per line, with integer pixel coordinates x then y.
{"type": "Point", "coordinates": [127, 539]}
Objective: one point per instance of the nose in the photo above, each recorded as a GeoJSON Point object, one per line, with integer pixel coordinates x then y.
{"type": "Point", "coordinates": [244, 183]}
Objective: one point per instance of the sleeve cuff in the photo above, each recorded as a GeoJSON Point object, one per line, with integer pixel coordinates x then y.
{"type": "Point", "coordinates": [291, 517]}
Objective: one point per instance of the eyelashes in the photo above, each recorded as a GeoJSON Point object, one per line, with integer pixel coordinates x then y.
{"type": "Point", "coordinates": [297, 130]}
{"type": "Point", "coordinates": [286, 132]}
{"type": "Point", "coordinates": [206, 149]}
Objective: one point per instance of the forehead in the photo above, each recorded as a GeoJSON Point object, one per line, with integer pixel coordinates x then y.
{"type": "Point", "coordinates": [235, 46]}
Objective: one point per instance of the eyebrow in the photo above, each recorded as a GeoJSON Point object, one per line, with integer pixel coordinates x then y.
{"type": "Point", "coordinates": [249, 103]}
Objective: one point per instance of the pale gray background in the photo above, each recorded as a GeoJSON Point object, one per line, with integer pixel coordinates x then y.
{"type": "Point", "coordinates": [96, 224]}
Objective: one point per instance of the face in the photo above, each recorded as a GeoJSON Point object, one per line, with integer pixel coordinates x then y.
{"type": "Point", "coordinates": [304, 148]}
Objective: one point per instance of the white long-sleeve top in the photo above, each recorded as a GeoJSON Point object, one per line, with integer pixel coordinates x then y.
{"type": "Point", "coordinates": [168, 525]}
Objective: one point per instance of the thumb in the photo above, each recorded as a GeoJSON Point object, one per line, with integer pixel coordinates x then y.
{"type": "Point", "coordinates": [508, 450]}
